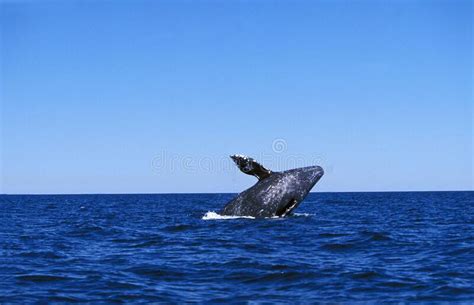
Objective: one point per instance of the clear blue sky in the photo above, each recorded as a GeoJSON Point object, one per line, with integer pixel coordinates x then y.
{"type": "Point", "coordinates": [152, 96]}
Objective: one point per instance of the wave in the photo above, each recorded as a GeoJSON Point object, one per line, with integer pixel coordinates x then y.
{"type": "Point", "coordinates": [301, 214]}
{"type": "Point", "coordinates": [42, 278]}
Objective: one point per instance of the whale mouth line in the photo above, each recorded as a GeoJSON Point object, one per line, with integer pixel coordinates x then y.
{"type": "Point", "coordinates": [291, 205]}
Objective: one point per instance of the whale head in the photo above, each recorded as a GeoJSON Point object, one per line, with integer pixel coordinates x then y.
{"type": "Point", "coordinates": [293, 186]}
{"type": "Point", "coordinates": [304, 178]}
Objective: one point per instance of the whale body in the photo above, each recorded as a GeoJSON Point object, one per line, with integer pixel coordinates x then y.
{"type": "Point", "coordinates": [276, 194]}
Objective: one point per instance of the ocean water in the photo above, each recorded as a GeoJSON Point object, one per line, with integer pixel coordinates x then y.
{"type": "Point", "coordinates": [338, 248]}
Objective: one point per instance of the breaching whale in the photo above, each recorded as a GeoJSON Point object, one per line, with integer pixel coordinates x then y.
{"type": "Point", "coordinates": [275, 193]}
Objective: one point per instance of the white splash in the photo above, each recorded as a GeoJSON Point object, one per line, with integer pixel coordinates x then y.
{"type": "Point", "coordinates": [213, 216]}
{"type": "Point", "coordinates": [302, 214]}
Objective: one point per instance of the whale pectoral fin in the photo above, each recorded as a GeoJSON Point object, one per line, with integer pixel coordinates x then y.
{"type": "Point", "coordinates": [286, 209]}
{"type": "Point", "coordinates": [251, 167]}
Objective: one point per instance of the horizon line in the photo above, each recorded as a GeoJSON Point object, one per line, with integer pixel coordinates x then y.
{"type": "Point", "coordinates": [207, 193]}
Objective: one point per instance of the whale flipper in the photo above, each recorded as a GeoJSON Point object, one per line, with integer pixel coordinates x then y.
{"type": "Point", "coordinates": [251, 167]}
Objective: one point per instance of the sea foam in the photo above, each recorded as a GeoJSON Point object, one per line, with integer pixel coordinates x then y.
{"type": "Point", "coordinates": [213, 216]}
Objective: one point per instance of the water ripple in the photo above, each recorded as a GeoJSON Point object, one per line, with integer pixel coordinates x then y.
{"type": "Point", "coordinates": [338, 248]}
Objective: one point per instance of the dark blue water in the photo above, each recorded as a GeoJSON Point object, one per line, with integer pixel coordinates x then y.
{"type": "Point", "coordinates": [342, 247]}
